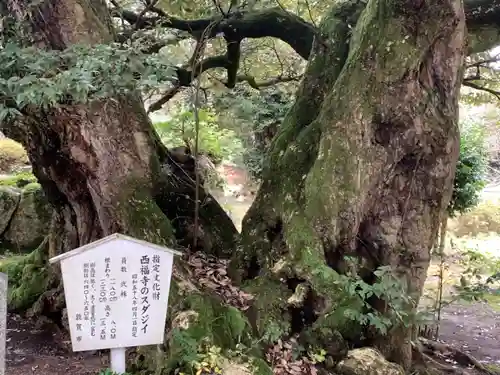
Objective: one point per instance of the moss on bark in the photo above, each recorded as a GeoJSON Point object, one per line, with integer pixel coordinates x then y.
{"type": "Point", "coordinates": [362, 166]}
{"type": "Point", "coordinates": [196, 320]}
{"type": "Point", "coordinates": [29, 277]}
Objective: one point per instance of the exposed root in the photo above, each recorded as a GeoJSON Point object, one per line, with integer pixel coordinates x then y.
{"type": "Point", "coordinates": [432, 352]}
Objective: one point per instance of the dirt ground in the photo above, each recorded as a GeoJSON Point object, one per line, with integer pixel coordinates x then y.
{"type": "Point", "coordinates": [44, 352]}
{"type": "Point", "coordinates": [475, 329]}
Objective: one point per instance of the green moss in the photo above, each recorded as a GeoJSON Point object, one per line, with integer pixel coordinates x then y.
{"type": "Point", "coordinates": [142, 218]}
{"type": "Point", "coordinates": [19, 180]}
{"type": "Point", "coordinates": [32, 187]}
{"type": "Point", "coordinates": [42, 207]}
{"type": "Point", "coordinates": [269, 311]}
{"type": "Point", "coordinates": [209, 322]}
{"type": "Point", "coordinates": [28, 277]}
{"type": "Point", "coordinates": [493, 367]}
{"type": "Point", "coordinates": [31, 221]}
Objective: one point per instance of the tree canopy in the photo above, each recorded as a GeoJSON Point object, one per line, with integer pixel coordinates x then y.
{"type": "Point", "coordinates": [161, 47]}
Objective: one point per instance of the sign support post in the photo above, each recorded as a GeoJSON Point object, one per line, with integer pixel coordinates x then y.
{"type": "Point", "coordinates": [117, 359]}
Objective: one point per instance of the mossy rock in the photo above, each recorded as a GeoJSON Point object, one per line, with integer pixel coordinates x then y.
{"type": "Point", "coordinates": [367, 361]}
{"type": "Point", "coordinates": [9, 201]}
{"type": "Point", "coordinates": [28, 278]}
{"type": "Point", "coordinates": [19, 180]}
{"type": "Point", "coordinates": [12, 155]}
{"type": "Point", "coordinates": [195, 319]}
{"type": "Point", "coordinates": [210, 321]}
{"type": "Point", "coordinates": [31, 221]}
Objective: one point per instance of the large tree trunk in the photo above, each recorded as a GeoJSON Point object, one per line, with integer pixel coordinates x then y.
{"type": "Point", "coordinates": [102, 165]}
{"type": "Point", "coordinates": [362, 166]}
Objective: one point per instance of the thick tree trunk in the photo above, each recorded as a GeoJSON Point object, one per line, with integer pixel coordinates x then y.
{"type": "Point", "coordinates": [102, 165]}
{"type": "Point", "coordinates": [362, 166]}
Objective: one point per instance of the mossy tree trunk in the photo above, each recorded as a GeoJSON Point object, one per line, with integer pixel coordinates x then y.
{"type": "Point", "coordinates": [362, 166]}
{"type": "Point", "coordinates": [102, 165]}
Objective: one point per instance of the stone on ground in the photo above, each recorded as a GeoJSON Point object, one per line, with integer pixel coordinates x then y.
{"type": "Point", "coordinates": [367, 361]}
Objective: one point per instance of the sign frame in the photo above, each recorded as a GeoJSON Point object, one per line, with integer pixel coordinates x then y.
{"type": "Point", "coordinates": [117, 354]}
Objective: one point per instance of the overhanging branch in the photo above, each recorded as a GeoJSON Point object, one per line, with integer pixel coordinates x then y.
{"type": "Point", "coordinates": [471, 84]}
{"type": "Point", "coordinates": [482, 16]}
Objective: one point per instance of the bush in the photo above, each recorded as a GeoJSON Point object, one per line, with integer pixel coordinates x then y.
{"type": "Point", "coordinates": [12, 154]}
{"type": "Point", "coordinates": [471, 168]}
{"type": "Point", "coordinates": [221, 144]}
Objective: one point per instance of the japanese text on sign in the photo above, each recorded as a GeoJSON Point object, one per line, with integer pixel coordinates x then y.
{"type": "Point", "coordinates": [116, 297]}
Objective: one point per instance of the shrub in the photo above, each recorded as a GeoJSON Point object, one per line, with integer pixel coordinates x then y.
{"type": "Point", "coordinates": [471, 168]}
{"type": "Point", "coordinates": [12, 154]}
{"type": "Point", "coordinates": [221, 144]}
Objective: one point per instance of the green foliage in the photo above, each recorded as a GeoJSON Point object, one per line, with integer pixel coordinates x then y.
{"type": "Point", "coordinates": [481, 72]}
{"type": "Point", "coordinates": [470, 173]}
{"type": "Point", "coordinates": [45, 78]}
{"type": "Point", "coordinates": [220, 143]}
{"type": "Point", "coordinates": [12, 154]}
{"type": "Point", "coordinates": [254, 115]}
{"type": "Point", "coordinates": [19, 179]}
{"type": "Point", "coordinates": [209, 360]}
{"type": "Point", "coordinates": [480, 277]}
{"type": "Point", "coordinates": [28, 278]}
{"type": "Point", "coordinates": [109, 372]}
{"type": "Point", "coordinates": [387, 286]}
{"type": "Point", "coordinates": [214, 325]}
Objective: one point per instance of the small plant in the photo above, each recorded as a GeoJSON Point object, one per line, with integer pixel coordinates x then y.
{"type": "Point", "coordinates": [209, 361]}
{"type": "Point", "coordinates": [387, 287]}
{"type": "Point", "coordinates": [318, 356]}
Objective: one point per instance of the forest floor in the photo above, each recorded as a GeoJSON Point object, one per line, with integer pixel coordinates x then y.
{"type": "Point", "coordinates": [472, 328]}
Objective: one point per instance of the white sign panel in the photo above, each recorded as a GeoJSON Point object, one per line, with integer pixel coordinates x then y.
{"type": "Point", "coordinates": [116, 293]}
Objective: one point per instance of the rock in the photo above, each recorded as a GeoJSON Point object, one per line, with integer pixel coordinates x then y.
{"type": "Point", "coordinates": [230, 368]}
{"type": "Point", "coordinates": [9, 199]}
{"type": "Point", "coordinates": [367, 361]}
{"type": "Point", "coordinates": [31, 220]}
{"type": "Point", "coordinates": [184, 319]}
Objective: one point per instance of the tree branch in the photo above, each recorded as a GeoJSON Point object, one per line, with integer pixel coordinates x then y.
{"type": "Point", "coordinates": [274, 22]}
{"type": "Point", "coordinates": [482, 16]}
{"type": "Point", "coordinates": [185, 77]}
{"type": "Point", "coordinates": [483, 24]}
{"type": "Point", "coordinates": [473, 85]}
{"type": "Point", "coordinates": [252, 82]}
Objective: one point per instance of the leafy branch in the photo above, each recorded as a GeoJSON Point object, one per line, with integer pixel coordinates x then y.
{"type": "Point", "coordinates": [239, 23]}
{"type": "Point", "coordinates": [47, 78]}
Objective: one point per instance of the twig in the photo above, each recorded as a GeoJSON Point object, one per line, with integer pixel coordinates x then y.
{"type": "Point", "coordinates": [482, 88]}
{"type": "Point", "coordinates": [459, 356]}
{"type": "Point", "coordinates": [199, 52]}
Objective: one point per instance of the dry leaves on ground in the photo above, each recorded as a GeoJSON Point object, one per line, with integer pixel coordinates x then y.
{"type": "Point", "coordinates": [211, 273]}
{"type": "Point", "coordinates": [282, 360]}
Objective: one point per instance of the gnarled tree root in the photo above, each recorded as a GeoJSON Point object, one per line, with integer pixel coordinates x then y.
{"type": "Point", "coordinates": [428, 352]}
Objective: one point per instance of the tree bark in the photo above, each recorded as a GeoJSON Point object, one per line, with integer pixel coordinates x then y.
{"type": "Point", "coordinates": [362, 166]}
{"type": "Point", "coordinates": [102, 165]}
